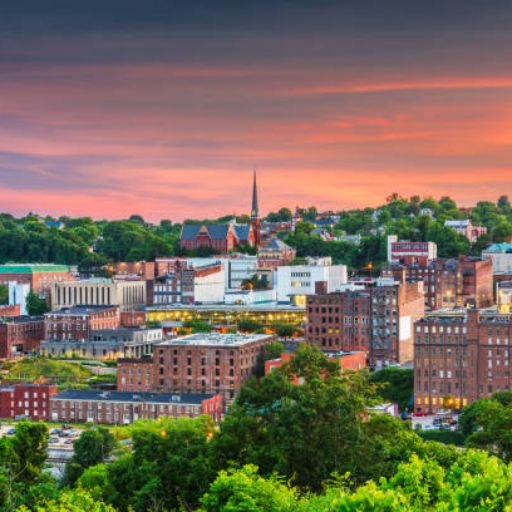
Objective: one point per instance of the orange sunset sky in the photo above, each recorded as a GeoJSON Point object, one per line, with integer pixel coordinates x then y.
{"type": "Point", "coordinates": [164, 108]}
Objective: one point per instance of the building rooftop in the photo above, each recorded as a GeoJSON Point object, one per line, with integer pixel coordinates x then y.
{"type": "Point", "coordinates": [228, 307]}
{"type": "Point", "coordinates": [31, 268]}
{"type": "Point", "coordinates": [125, 396]}
{"type": "Point", "coordinates": [216, 340]}
{"type": "Point", "coordinates": [80, 310]}
{"type": "Point", "coordinates": [20, 319]}
{"type": "Point", "coordinates": [499, 248]}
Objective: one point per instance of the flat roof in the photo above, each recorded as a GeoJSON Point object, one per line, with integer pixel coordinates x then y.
{"type": "Point", "coordinates": [216, 339]}
{"type": "Point", "coordinates": [29, 268]}
{"type": "Point", "coordinates": [20, 319]}
{"type": "Point", "coordinates": [267, 306]}
{"type": "Point", "coordinates": [125, 396]}
{"type": "Point", "coordinates": [80, 310]}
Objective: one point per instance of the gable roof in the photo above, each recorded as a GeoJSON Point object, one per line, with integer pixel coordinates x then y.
{"type": "Point", "coordinates": [214, 231]}
{"type": "Point", "coordinates": [242, 231]}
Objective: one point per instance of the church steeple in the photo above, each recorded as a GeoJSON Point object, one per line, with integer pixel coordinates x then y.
{"type": "Point", "coordinates": [254, 210]}
{"type": "Point", "coordinates": [255, 214]}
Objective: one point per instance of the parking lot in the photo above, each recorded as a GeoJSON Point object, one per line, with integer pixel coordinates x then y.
{"type": "Point", "coordinates": [428, 422]}
{"type": "Point", "coordinates": [59, 438]}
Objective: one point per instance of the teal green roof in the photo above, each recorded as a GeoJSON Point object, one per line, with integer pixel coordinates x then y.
{"type": "Point", "coordinates": [503, 247]}
{"type": "Point", "coordinates": [20, 268]}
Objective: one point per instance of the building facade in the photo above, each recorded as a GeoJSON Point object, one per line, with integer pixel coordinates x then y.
{"type": "Point", "coordinates": [460, 357]}
{"type": "Point", "coordinates": [501, 257]}
{"type": "Point", "coordinates": [79, 322]}
{"type": "Point", "coordinates": [275, 253]}
{"type": "Point", "coordinates": [466, 228]}
{"type": "Point", "coordinates": [377, 319]}
{"type": "Point", "coordinates": [123, 408]}
{"type": "Point", "coordinates": [405, 252]}
{"type": "Point", "coordinates": [208, 363]}
{"type": "Point", "coordinates": [300, 280]}
{"type": "Point", "coordinates": [20, 335]}
{"type": "Point", "coordinates": [99, 292]}
{"type": "Point", "coordinates": [452, 282]}
{"type": "Point", "coordinates": [28, 401]}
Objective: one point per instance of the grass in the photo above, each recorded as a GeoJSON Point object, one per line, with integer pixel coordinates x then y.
{"type": "Point", "coordinates": [40, 369]}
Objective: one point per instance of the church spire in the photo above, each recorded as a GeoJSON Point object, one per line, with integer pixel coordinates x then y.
{"type": "Point", "coordinates": [254, 210]}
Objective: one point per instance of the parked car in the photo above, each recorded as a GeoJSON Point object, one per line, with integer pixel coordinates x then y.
{"type": "Point", "coordinates": [69, 441]}
{"type": "Point", "coordinates": [11, 432]}
{"type": "Point", "coordinates": [53, 440]}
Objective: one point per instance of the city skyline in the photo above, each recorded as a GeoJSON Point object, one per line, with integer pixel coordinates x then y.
{"type": "Point", "coordinates": [165, 110]}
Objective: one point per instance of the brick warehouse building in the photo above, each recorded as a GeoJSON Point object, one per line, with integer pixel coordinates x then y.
{"type": "Point", "coordinates": [40, 276]}
{"type": "Point", "coordinates": [31, 401]}
{"type": "Point", "coordinates": [77, 323]}
{"type": "Point", "coordinates": [123, 408]}
{"type": "Point", "coordinates": [377, 319]}
{"type": "Point", "coordinates": [448, 283]}
{"type": "Point", "coordinates": [20, 335]}
{"type": "Point", "coordinates": [200, 363]}
{"type": "Point", "coordinates": [460, 356]}
{"type": "Point", "coordinates": [135, 374]}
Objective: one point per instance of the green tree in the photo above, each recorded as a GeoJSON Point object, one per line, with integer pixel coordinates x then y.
{"type": "Point", "coordinates": [4, 294]}
{"type": "Point", "coordinates": [198, 325]}
{"type": "Point", "coordinates": [244, 490]}
{"type": "Point", "coordinates": [92, 447]}
{"type": "Point", "coordinates": [394, 385]}
{"type": "Point", "coordinates": [36, 305]}
{"type": "Point", "coordinates": [285, 330]}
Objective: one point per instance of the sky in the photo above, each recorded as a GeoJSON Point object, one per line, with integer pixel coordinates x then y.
{"type": "Point", "coordinates": [164, 108]}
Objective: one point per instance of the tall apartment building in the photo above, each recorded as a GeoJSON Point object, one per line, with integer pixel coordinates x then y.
{"type": "Point", "coordinates": [190, 284]}
{"type": "Point", "coordinates": [79, 322]}
{"type": "Point", "coordinates": [300, 280]}
{"type": "Point", "coordinates": [40, 276]}
{"type": "Point", "coordinates": [203, 363]}
{"type": "Point", "coordinates": [460, 357]}
{"type": "Point", "coordinates": [406, 253]}
{"type": "Point", "coordinates": [20, 335]}
{"type": "Point", "coordinates": [377, 319]}
{"type": "Point", "coordinates": [452, 282]}
{"type": "Point", "coordinates": [99, 292]}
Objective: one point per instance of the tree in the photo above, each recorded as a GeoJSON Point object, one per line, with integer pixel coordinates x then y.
{"type": "Point", "coordinates": [36, 305]}
{"type": "Point", "coordinates": [285, 330]}
{"type": "Point", "coordinates": [248, 325]}
{"type": "Point", "coordinates": [244, 490]}
{"type": "Point", "coordinates": [503, 203]}
{"type": "Point", "coordinates": [4, 294]}
{"type": "Point", "coordinates": [92, 447]}
{"type": "Point", "coordinates": [272, 350]}
{"type": "Point", "coordinates": [70, 500]}
{"type": "Point", "coordinates": [198, 325]}
{"type": "Point", "coordinates": [394, 385]}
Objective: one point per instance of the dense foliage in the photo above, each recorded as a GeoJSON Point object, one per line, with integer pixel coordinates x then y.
{"type": "Point", "coordinates": [395, 385]}
{"type": "Point", "coordinates": [300, 439]}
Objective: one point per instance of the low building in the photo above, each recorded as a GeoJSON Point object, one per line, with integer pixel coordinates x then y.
{"type": "Point", "coordinates": [127, 294]}
{"type": "Point", "coordinates": [190, 284]}
{"type": "Point", "coordinates": [20, 335]}
{"type": "Point", "coordinates": [501, 257]}
{"type": "Point", "coordinates": [275, 253]}
{"type": "Point", "coordinates": [376, 318]}
{"type": "Point", "coordinates": [460, 356]}
{"type": "Point", "coordinates": [466, 228]}
{"type": "Point", "coordinates": [300, 280]}
{"type": "Point", "coordinates": [354, 361]}
{"type": "Point", "coordinates": [208, 363]}
{"type": "Point", "coordinates": [107, 344]}
{"type": "Point", "coordinates": [40, 276]}
{"type": "Point", "coordinates": [123, 408]}
{"type": "Point", "coordinates": [142, 269]}
{"type": "Point", "coordinates": [249, 297]}
{"type": "Point", "coordinates": [28, 401]}
{"type": "Point", "coordinates": [78, 323]}
{"type": "Point", "coordinates": [225, 316]}
{"type": "Point", "coordinates": [407, 253]}
{"type": "Point", "coordinates": [8, 311]}
{"type": "Point", "coordinates": [133, 318]}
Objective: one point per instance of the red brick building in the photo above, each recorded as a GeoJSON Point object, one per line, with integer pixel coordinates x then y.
{"type": "Point", "coordinates": [406, 252]}
{"type": "Point", "coordinates": [31, 401]}
{"type": "Point", "coordinates": [40, 276]}
{"type": "Point", "coordinates": [8, 311]}
{"type": "Point", "coordinates": [135, 374]}
{"type": "Point", "coordinates": [448, 283]}
{"type": "Point", "coordinates": [123, 408]}
{"type": "Point", "coordinates": [224, 238]}
{"type": "Point", "coordinates": [347, 360]}
{"type": "Point", "coordinates": [134, 318]}
{"type": "Point", "coordinates": [142, 269]}
{"type": "Point", "coordinates": [207, 363]}
{"type": "Point", "coordinates": [377, 319]}
{"type": "Point", "coordinates": [275, 253]}
{"type": "Point", "coordinates": [78, 322]}
{"type": "Point", "coordinates": [460, 356]}
{"type": "Point", "coordinates": [20, 335]}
